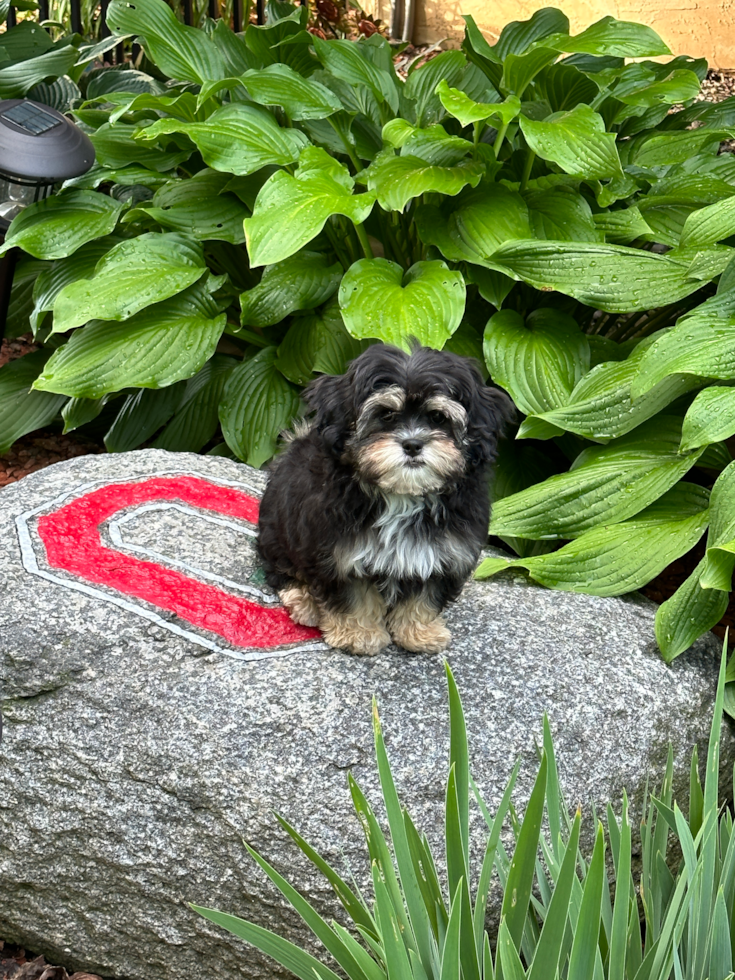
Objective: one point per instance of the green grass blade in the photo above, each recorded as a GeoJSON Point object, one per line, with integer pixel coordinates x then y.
{"type": "Point", "coordinates": [502, 809]}
{"type": "Point", "coordinates": [553, 796]}
{"type": "Point", "coordinates": [584, 947]}
{"type": "Point", "coordinates": [492, 856]}
{"type": "Point", "coordinates": [720, 953]}
{"type": "Point", "coordinates": [488, 973]}
{"type": "Point", "coordinates": [425, 872]}
{"type": "Point", "coordinates": [379, 853]}
{"type": "Point", "coordinates": [618, 938]}
{"type": "Point", "coordinates": [368, 965]}
{"type": "Point", "coordinates": [418, 971]}
{"type": "Point", "coordinates": [457, 874]}
{"type": "Point", "coordinates": [311, 917]}
{"type": "Point", "coordinates": [301, 964]}
{"type": "Point", "coordinates": [523, 864]}
{"type": "Point", "coordinates": [510, 961]}
{"type": "Point", "coordinates": [391, 934]}
{"type": "Point", "coordinates": [673, 921]}
{"type": "Point", "coordinates": [459, 758]}
{"type": "Point", "coordinates": [548, 950]}
{"type": "Point", "coordinates": [634, 942]}
{"type": "Point", "coordinates": [356, 909]}
{"type": "Point", "coordinates": [696, 796]}
{"type": "Point", "coordinates": [417, 912]}
{"type": "Point", "coordinates": [450, 964]}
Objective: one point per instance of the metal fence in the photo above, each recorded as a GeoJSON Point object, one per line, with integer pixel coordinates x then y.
{"type": "Point", "coordinates": [184, 8]}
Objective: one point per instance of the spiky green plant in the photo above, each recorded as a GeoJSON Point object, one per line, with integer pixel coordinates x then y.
{"type": "Point", "coordinates": [560, 917]}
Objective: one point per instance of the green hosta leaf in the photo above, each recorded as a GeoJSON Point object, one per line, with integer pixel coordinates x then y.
{"type": "Point", "coordinates": [467, 342]}
{"type": "Point", "coordinates": [197, 417]}
{"type": "Point", "coordinates": [710, 418]}
{"type": "Point", "coordinates": [601, 406]}
{"type": "Point", "coordinates": [17, 80]}
{"type": "Point", "coordinates": [163, 344]}
{"type": "Point", "coordinates": [610, 277]}
{"type": "Point", "coordinates": [143, 412]}
{"type": "Point", "coordinates": [23, 410]}
{"type": "Point", "coordinates": [688, 614]}
{"type": "Point", "coordinates": [669, 148]}
{"type": "Point", "coordinates": [476, 225]}
{"type": "Point", "coordinates": [395, 180]}
{"type": "Point", "coordinates": [467, 111]}
{"type": "Point", "coordinates": [182, 52]}
{"type": "Point", "coordinates": [576, 141]}
{"type": "Point", "coordinates": [299, 97]}
{"type": "Point", "coordinates": [720, 557]}
{"type": "Point", "coordinates": [59, 225]}
{"type": "Point", "coordinates": [563, 87]}
{"type": "Point", "coordinates": [317, 342]}
{"type": "Point", "coordinates": [291, 210]}
{"type": "Point", "coordinates": [114, 147]}
{"type": "Point", "coordinates": [538, 361]}
{"type": "Point", "coordinates": [113, 81]}
{"type": "Point", "coordinates": [59, 94]}
{"type": "Point", "coordinates": [623, 226]}
{"type": "Point", "coordinates": [238, 139]}
{"type": "Point", "coordinates": [198, 207]}
{"type": "Point", "coordinates": [51, 281]}
{"type": "Point", "coordinates": [432, 145]}
{"type": "Point", "coordinates": [79, 411]}
{"type": "Point", "coordinates": [613, 559]}
{"type": "Point", "coordinates": [302, 282]}
{"type": "Point", "coordinates": [379, 300]}
{"type": "Point", "coordinates": [421, 86]}
{"type": "Point", "coordinates": [131, 276]}
{"type": "Point", "coordinates": [619, 38]}
{"type": "Point", "coordinates": [20, 307]}
{"type": "Point", "coordinates": [27, 40]}
{"type": "Point", "coordinates": [605, 485]}
{"type": "Point", "coordinates": [345, 60]}
{"type": "Point", "coordinates": [701, 344]}
{"type": "Point", "coordinates": [258, 402]}
{"type": "Point", "coordinates": [518, 36]}
{"type": "Point", "coordinates": [638, 85]}
{"type": "Point", "coordinates": [520, 70]}
{"type": "Point", "coordinates": [709, 225]}
{"type": "Point", "coordinates": [562, 214]}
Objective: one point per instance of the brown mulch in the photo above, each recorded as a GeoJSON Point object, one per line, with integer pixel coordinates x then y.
{"type": "Point", "coordinates": [17, 964]}
{"type": "Point", "coordinates": [41, 448]}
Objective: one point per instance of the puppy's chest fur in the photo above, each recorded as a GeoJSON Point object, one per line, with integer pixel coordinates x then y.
{"type": "Point", "coordinates": [405, 541]}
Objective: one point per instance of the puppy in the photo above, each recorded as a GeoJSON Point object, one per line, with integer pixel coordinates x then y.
{"type": "Point", "coordinates": [374, 517]}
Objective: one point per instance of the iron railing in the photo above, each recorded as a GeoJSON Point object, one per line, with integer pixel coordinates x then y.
{"type": "Point", "coordinates": [185, 8]}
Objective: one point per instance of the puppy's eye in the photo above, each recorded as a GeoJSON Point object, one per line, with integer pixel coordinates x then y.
{"type": "Point", "coordinates": [437, 418]}
{"type": "Point", "coordinates": [386, 414]}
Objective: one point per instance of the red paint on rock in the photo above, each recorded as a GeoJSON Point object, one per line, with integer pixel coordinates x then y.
{"type": "Point", "coordinates": [72, 540]}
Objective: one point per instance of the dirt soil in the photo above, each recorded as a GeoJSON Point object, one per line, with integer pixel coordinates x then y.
{"type": "Point", "coordinates": [17, 964]}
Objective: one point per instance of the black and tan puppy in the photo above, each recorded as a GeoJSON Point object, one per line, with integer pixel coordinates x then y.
{"type": "Point", "coordinates": [374, 517]}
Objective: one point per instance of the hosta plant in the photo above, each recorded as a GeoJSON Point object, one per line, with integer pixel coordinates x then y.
{"type": "Point", "coordinates": [266, 204]}
{"type": "Point", "coordinates": [560, 916]}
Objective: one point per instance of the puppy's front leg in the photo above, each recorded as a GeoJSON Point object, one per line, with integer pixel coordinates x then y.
{"type": "Point", "coordinates": [357, 623]}
{"type": "Point", "coordinates": [415, 624]}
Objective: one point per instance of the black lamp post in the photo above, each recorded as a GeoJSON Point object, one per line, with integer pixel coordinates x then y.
{"type": "Point", "coordinates": [38, 147]}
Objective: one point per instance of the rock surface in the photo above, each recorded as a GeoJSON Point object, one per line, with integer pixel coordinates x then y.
{"type": "Point", "coordinates": [140, 747]}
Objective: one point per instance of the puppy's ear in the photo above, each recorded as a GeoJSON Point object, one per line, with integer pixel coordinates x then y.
{"type": "Point", "coordinates": [492, 416]}
{"type": "Point", "coordinates": [330, 397]}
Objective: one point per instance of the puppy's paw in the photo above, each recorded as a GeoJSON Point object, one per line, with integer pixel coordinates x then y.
{"type": "Point", "coordinates": [432, 637]}
{"type": "Point", "coordinates": [352, 639]}
{"type": "Point", "coordinates": [301, 605]}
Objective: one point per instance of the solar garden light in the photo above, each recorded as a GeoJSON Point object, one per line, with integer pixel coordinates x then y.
{"type": "Point", "coordinates": [38, 148]}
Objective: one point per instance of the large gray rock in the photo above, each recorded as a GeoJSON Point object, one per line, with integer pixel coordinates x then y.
{"type": "Point", "coordinates": [141, 746]}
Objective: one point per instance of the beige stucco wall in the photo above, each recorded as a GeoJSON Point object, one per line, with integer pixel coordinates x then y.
{"type": "Point", "coordinates": [701, 28]}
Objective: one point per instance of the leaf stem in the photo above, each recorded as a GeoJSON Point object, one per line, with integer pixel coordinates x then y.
{"type": "Point", "coordinates": [531, 156]}
{"type": "Point", "coordinates": [364, 241]}
{"type": "Point", "coordinates": [346, 143]}
{"type": "Point", "coordinates": [500, 137]}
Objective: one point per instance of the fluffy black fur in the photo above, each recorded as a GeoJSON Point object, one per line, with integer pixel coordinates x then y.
{"type": "Point", "coordinates": [318, 500]}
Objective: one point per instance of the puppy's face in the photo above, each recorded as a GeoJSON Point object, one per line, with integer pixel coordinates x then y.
{"type": "Point", "coordinates": [410, 423]}
{"type": "Point", "coordinates": [408, 443]}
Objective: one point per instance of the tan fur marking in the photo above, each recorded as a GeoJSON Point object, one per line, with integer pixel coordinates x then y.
{"type": "Point", "coordinates": [452, 409]}
{"type": "Point", "coordinates": [302, 606]}
{"type": "Point", "coordinates": [415, 626]}
{"type": "Point", "coordinates": [362, 630]}
{"type": "Point", "coordinates": [383, 460]}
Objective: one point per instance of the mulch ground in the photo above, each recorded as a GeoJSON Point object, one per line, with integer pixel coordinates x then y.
{"type": "Point", "coordinates": [17, 964]}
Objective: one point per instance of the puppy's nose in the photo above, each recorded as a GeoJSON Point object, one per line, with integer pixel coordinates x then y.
{"type": "Point", "coordinates": [412, 447]}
